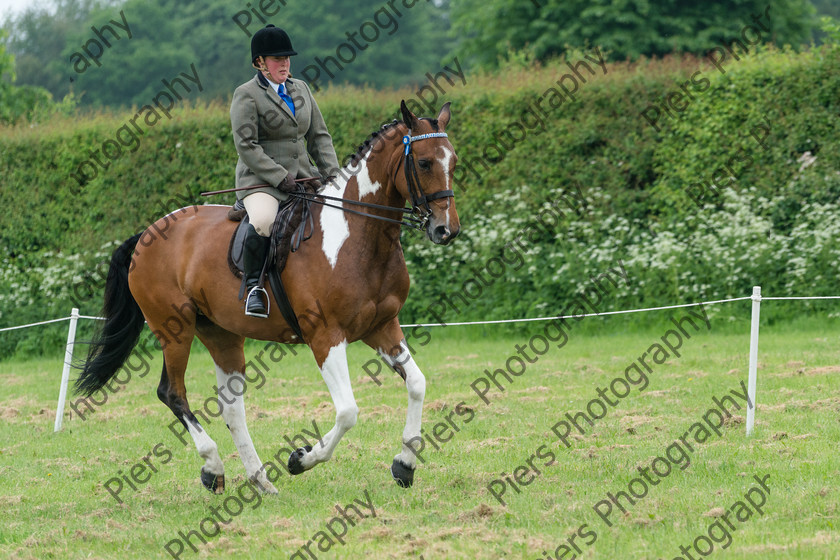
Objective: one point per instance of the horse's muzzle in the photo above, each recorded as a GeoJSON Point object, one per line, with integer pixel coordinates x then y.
{"type": "Point", "coordinates": [442, 235]}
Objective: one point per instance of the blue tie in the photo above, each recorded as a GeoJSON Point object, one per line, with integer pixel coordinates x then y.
{"type": "Point", "coordinates": [281, 91]}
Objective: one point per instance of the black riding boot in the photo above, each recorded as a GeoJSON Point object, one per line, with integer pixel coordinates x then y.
{"type": "Point", "coordinates": [253, 260]}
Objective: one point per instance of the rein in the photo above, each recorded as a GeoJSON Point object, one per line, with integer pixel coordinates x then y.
{"type": "Point", "coordinates": [419, 200]}
{"type": "Point", "coordinates": [410, 220]}
{"type": "Point", "coordinates": [417, 217]}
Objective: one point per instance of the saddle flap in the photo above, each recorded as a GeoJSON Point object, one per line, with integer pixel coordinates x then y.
{"type": "Point", "coordinates": [236, 250]}
{"type": "Point", "coordinates": [289, 230]}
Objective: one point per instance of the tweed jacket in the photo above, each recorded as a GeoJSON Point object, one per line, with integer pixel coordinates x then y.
{"type": "Point", "coordinates": [271, 142]}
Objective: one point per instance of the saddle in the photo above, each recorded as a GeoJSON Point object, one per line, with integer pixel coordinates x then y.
{"type": "Point", "coordinates": [292, 226]}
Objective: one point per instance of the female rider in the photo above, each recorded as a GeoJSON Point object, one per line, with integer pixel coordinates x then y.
{"type": "Point", "coordinates": [280, 135]}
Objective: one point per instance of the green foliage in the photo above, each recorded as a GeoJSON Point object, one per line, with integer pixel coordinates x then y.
{"type": "Point", "coordinates": [831, 28]}
{"type": "Point", "coordinates": [828, 8]}
{"type": "Point", "coordinates": [7, 61]}
{"type": "Point", "coordinates": [487, 29]}
{"type": "Point", "coordinates": [776, 225]}
{"type": "Point", "coordinates": [30, 104]}
{"type": "Point", "coordinates": [37, 37]}
{"type": "Point", "coordinates": [17, 103]}
{"type": "Point", "coordinates": [168, 36]}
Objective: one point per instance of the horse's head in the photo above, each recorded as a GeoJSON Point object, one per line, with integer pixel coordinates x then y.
{"type": "Point", "coordinates": [429, 166]}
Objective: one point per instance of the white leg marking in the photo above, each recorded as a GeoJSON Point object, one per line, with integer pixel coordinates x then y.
{"type": "Point", "coordinates": [336, 374]}
{"type": "Point", "coordinates": [415, 383]}
{"type": "Point", "coordinates": [231, 389]}
{"type": "Point", "coordinates": [206, 448]}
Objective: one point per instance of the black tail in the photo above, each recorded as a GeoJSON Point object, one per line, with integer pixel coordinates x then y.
{"type": "Point", "coordinates": [123, 324]}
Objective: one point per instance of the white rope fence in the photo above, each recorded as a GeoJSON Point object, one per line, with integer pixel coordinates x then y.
{"type": "Point", "coordinates": [35, 324]}
{"type": "Point", "coordinates": [756, 298]}
{"type": "Point", "coordinates": [70, 318]}
{"type": "Point", "coordinates": [577, 316]}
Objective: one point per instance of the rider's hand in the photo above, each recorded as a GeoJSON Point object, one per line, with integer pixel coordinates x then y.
{"type": "Point", "coordinates": [288, 184]}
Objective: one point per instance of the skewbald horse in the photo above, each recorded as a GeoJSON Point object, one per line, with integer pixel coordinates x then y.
{"type": "Point", "coordinates": [352, 269]}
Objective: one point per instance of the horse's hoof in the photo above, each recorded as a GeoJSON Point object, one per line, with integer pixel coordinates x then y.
{"type": "Point", "coordinates": [213, 482]}
{"type": "Point", "coordinates": [402, 473]}
{"type": "Point", "coordinates": [295, 466]}
{"type": "Point", "coordinates": [263, 486]}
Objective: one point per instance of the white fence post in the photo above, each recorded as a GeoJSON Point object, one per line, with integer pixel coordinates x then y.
{"type": "Point", "coordinates": [756, 309]}
{"type": "Point", "coordinates": [65, 374]}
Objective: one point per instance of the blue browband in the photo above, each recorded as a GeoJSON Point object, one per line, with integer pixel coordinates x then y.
{"type": "Point", "coordinates": [407, 140]}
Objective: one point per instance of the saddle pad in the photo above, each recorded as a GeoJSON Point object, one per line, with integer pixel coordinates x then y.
{"type": "Point", "coordinates": [236, 252]}
{"type": "Point", "coordinates": [291, 224]}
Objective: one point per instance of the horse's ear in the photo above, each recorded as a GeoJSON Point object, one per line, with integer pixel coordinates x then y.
{"type": "Point", "coordinates": [443, 116]}
{"type": "Point", "coordinates": [408, 117]}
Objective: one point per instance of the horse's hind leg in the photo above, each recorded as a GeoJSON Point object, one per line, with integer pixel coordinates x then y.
{"type": "Point", "coordinates": [226, 349]}
{"type": "Point", "coordinates": [172, 390]}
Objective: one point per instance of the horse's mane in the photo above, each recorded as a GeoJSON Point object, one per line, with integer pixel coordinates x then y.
{"type": "Point", "coordinates": [364, 148]}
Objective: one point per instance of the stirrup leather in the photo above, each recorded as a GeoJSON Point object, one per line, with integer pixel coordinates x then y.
{"type": "Point", "coordinates": [251, 293]}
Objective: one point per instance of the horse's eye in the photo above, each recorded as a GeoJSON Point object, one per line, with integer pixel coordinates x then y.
{"type": "Point", "coordinates": [424, 164]}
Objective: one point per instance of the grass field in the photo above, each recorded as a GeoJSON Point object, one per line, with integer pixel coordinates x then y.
{"type": "Point", "coordinates": [54, 504]}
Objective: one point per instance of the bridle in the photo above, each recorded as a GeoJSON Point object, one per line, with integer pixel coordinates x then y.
{"type": "Point", "coordinates": [419, 199]}
{"type": "Point", "coordinates": [416, 217]}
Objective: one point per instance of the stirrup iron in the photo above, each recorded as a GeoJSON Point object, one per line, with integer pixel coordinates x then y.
{"type": "Point", "coordinates": [256, 290]}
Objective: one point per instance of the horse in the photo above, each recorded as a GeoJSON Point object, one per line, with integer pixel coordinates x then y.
{"type": "Point", "coordinates": [174, 275]}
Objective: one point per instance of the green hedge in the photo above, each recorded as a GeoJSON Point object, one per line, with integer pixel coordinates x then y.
{"type": "Point", "coordinates": [776, 225]}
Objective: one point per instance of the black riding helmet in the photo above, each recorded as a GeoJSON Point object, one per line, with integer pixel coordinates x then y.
{"type": "Point", "coordinates": [271, 41]}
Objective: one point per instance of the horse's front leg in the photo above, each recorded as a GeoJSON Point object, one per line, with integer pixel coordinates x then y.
{"type": "Point", "coordinates": [394, 351]}
{"type": "Point", "coordinates": [333, 363]}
